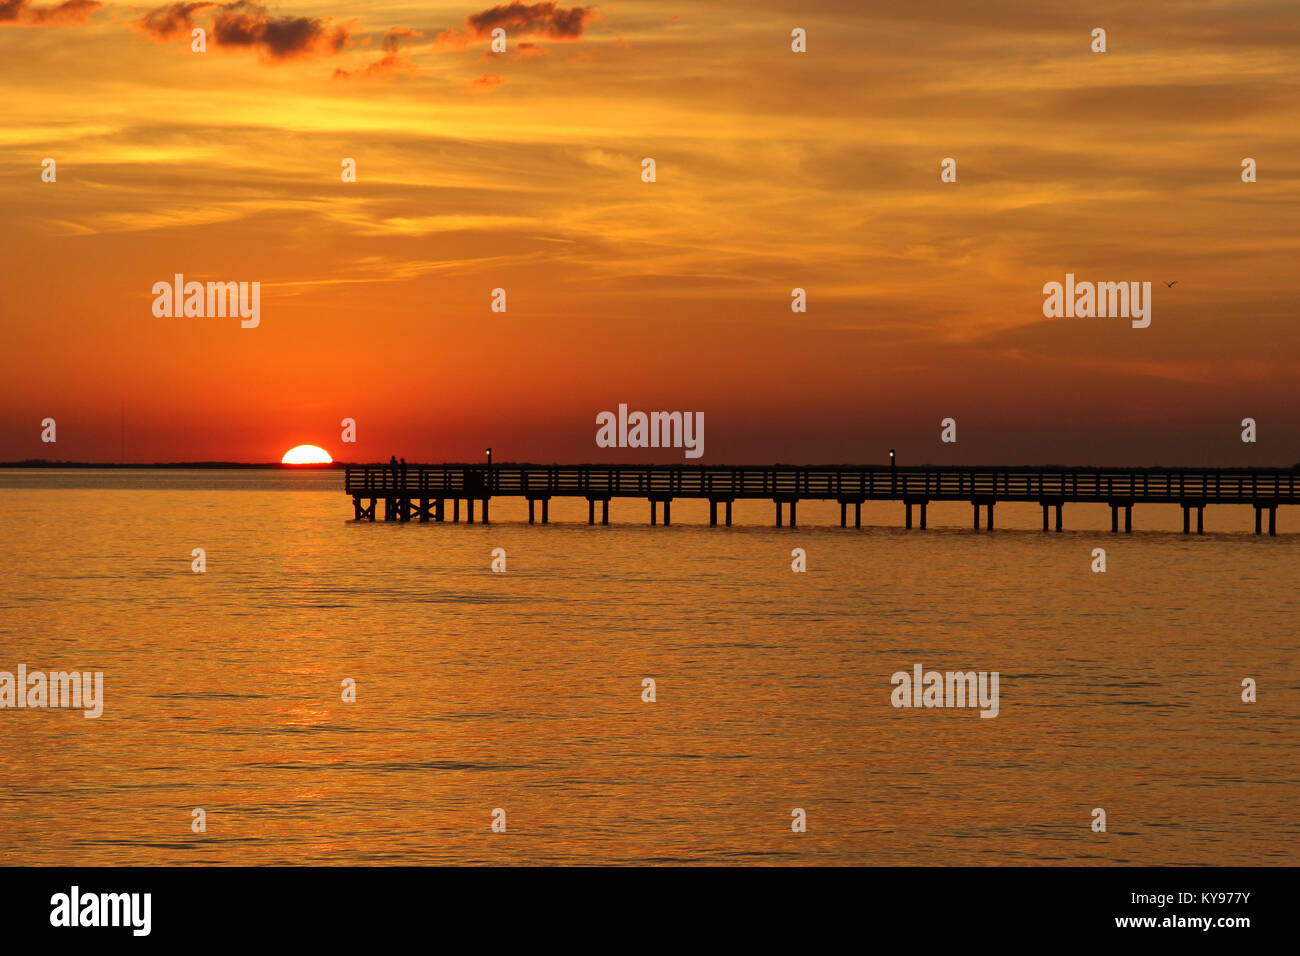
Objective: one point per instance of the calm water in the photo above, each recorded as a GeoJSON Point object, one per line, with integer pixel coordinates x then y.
{"type": "Point", "coordinates": [523, 690]}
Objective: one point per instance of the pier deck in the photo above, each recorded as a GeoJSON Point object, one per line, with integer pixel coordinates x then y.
{"type": "Point", "coordinates": [420, 492]}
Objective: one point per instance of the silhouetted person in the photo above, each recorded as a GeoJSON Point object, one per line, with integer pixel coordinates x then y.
{"type": "Point", "coordinates": [392, 466]}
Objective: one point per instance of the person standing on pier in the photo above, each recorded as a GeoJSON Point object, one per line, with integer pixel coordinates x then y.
{"type": "Point", "coordinates": [403, 472]}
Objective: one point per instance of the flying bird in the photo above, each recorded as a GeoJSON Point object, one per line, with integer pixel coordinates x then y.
{"type": "Point", "coordinates": [1171, 284]}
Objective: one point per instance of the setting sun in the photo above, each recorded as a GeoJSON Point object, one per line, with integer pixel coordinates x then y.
{"type": "Point", "coordinates": [306, 455]}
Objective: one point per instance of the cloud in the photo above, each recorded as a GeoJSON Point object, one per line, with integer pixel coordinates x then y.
{"type": "Point", "coordinates": [68, 13]}
{"type": "Point", "coordinates": [396, 36]}
{"type": "Point", "coordinates": [485, 83]}
{"type": "Point", "coordinates": [451, 40]}
{"type": "Point", "coordinates": [248, 25]}
{"type": "Point", "coordinates": [166, 22]}
{"type": "Point", "coordinates": [546, 19]}
{"type": "Point", "coordinates": [395, 60]}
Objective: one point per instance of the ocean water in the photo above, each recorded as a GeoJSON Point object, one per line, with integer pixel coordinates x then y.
{"type": "Point", "coordinates": [523, 690]}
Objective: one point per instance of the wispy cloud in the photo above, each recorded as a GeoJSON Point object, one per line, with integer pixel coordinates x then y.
{"type": "Point", "coordinates": [68, 13]}
{"type": "Point", "coordinates": [395, 61]}
{"type": "Point", "coordinates": [486, 82]}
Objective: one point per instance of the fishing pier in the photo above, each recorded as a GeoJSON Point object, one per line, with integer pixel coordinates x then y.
{"type": "Point", "coordinates": [421, 492]}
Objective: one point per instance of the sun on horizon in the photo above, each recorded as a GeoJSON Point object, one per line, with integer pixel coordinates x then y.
{"type": "Point", "coordinates": [306, 455]}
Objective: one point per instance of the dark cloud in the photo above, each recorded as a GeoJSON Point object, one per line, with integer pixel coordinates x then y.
{"type": "Point", "coordinates": [60, 14]}
{"type": "Point", "coordinates": [249, 25]}
{"type": "Point", "coordinates": [546, 19]}
{"type": "Point", "coordinates": [166, 22]}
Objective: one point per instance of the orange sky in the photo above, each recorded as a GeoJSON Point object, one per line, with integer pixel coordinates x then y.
{"type": "Point", "coordinates": [775, 170]}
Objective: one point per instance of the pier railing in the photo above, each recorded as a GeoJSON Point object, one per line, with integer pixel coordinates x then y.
{"type": "Point", "coordinates": [828, 482]}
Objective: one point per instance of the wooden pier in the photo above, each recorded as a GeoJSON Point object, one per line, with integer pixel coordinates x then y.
{"type": "Point", "coordinates": [421, 492]}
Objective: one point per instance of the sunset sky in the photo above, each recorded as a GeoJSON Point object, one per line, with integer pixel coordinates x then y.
{"type": "Point", "coordinates": [775, 170]}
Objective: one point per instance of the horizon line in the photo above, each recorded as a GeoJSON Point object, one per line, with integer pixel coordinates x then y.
{"type": "Point", "coordinates": [37, 463]}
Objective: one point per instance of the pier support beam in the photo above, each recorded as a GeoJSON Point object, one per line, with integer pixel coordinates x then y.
{"type": "Point", "coordinates": [844, 514]}
{"type": "Point", "coordinates": [1272, 519]}
{"type": "Point", "coordinates": [455, 510]}
{"type": "Point", "coordinates": [532, 510]}
{"type": "Point", "coordinates": [793, 506]}
{"type": "Point", "coordinates": [1187, 519]}
{"type": "Point", "coordinates": [374, 503]}
{"type": "Point", "coordinates": [668, 510]}
{"type": "Point", "coordinates": [485, 510]}
{"type": "Point", "coordinates": [424, 510]}
{"type": "Point", "coordinates": [591, 510]}
{"type": "Point", "coordinates": [778, 513]}
{"type": "Point", "coordinates": [908, 520]}
{"type": "Point", "coordinates": [924, 506]}
{"type": "Point", "coordinates": [1128, 516]}
{"type": "Point", "coordinates": [1200, 519]}
{"type": "Point", "coordinates": [857, 514]}
{"type": "Point", "coordinates": [1058, 517]}
{"type": "Point", "coordinates": [990, 516]}
{"type": "Point", "coordinates": [713, 511]}
{"type": "Point", "coordinates": [439, 511]}
{"type": "Point", "coordinates": [469, 510]}
{"type": "Point", "coordinates": [976, 506]}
